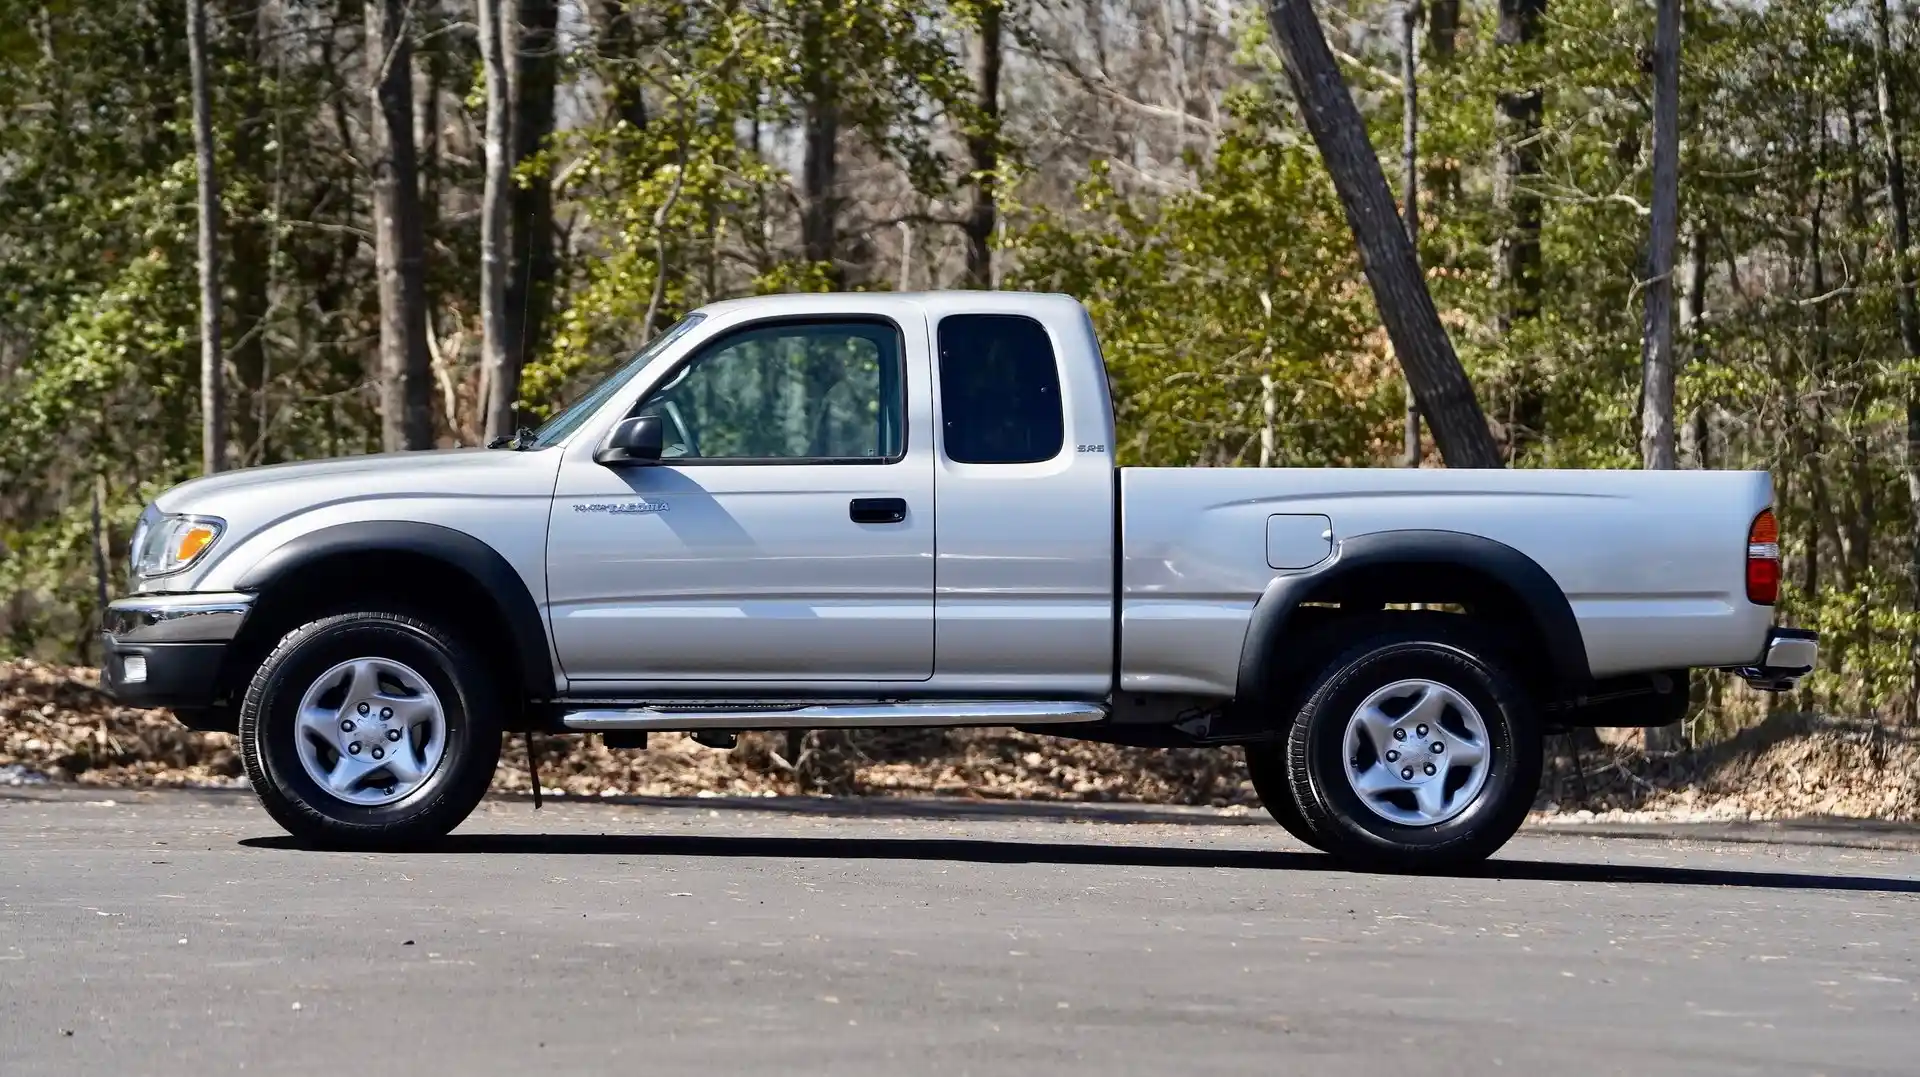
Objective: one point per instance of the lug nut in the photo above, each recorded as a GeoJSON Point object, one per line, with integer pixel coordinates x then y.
{"type": "Point", "coordinates": [354, 748]}
{"type": "Point", "coordinates": [386, 713]}
{"type": "Point", "coordinates": [380, 753]}
{"type": "Point", "coordinates": [1393, 756]}
{"type": "Point", "coordinates": [1429, 765]}
{"type": "Point", "coordinates": [1421, 730]}
{"type": "Point", "coordinates": [364, 708]}
{"type": "Point", "coordinates": [1437, 747]}
{"type": "Point", "coordinates": [393, 734]}
{"type": "Point", "coordinates": [1399, 734]}
{"type": "Point", "coordinates": [346, 727]}
{"type": "Point", "coordinates": [1406, 773]}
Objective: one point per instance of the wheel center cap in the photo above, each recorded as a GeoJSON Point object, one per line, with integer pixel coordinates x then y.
{"type": "Point", "coordinates": [1418, 755]}
{"type": "Point", "coordinates": [369, 731]}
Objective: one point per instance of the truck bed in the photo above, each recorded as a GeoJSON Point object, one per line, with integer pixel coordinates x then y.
{"type": "Point", "coordinates": [1653, 563]}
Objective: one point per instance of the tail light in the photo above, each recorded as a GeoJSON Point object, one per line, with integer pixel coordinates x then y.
{"type": "Point", "coordinates": [1763, 560]}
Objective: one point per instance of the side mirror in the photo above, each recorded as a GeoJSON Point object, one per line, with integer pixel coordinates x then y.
{"type": "Point", "coordinates": [636, 442]}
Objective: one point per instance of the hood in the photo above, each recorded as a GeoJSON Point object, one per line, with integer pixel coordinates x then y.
{"type": "Point", "coordinates": [264, 506]}
{"type": "Point", "coordinates": [376, 473]}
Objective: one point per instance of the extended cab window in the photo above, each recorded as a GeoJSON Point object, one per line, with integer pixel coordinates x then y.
{"type": "Point", "coordinates": [999, 390]}
{"type": "Point", "coordinates": [788, 391]}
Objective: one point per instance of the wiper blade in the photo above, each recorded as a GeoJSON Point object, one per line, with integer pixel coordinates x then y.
{"type": "Point", "coordinates": [518, 440]}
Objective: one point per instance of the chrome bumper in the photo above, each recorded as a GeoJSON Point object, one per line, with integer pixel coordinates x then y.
{"type": "Point", "coordinates": [1790, 654]}
{"type": "Point", "coordinates": [193, 618]}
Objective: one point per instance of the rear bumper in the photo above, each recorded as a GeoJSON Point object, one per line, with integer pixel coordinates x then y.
{"type": "Point", "coordinates": [1790, 654]}
{"type": "Point", "coordinates": [167, 650]}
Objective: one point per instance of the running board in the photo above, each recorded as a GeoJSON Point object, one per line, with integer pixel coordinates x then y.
{"type": "Point", "coordinates": [683, 718]}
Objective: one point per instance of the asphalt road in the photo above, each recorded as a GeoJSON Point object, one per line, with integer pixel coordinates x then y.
{"type": "Point", "coordinates": [177, 934]}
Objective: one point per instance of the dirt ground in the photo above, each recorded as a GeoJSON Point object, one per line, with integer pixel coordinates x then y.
{"type": "Point", "coordinates": [57, 726]}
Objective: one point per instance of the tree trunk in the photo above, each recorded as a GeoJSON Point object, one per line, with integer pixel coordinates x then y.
{"type": "Point", "coordinates": [1410, 187]}
{"type": "Point", "coordinates": [1656, 352]}
{"type": "Point", "coordinates": [1693, 314]}
{"type": "Point", "coordinates": [213, 406]}
{"type": "Point", "coordinates": [251, 241]}
{"type": "Point", "coordinates": [405, 373]}
{"type": "Point", "coordinates": [819, 171]}
{"type": "Point", "coordinates": [1820, 500]}
{"type": "Point", "coordinates": [1419, 340]}
{"type": "Point", "coordinates": [1892, 134]}
{"type": "Point", "coordinates": [495, 348]}
{"type": "Point", "coordinates": [530, 258]}
{"type": "Point", "coordinates": [620, 43]}
{"type": "Point", "coordinates": [984, 145]}
{"type": "Point", "coordinates": [1443, 42]}
{"type": "Point", "coordinates": [1517, 122]}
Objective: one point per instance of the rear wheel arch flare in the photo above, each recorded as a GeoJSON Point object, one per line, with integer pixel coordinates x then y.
{"type": "Point", "coordinates": [1380, 564]}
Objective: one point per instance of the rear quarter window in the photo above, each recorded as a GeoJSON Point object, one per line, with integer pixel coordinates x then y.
{"type": "Point", "coordinates": [999, 390]}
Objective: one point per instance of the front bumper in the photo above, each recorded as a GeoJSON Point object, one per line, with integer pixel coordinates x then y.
{"type": "Point", "coordinates": [167, 650]}
{"type": "Point", "coordinates": [1790, 654]}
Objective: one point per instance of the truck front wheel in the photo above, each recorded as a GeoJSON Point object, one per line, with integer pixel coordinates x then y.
{"type": "Point", "coordinates": [370, 731]}
{"type": "Point", "coordinates": [1414, 750]}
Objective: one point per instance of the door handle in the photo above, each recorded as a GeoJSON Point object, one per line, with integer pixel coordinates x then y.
{"type": "Point", "coordinates": [878, 510]}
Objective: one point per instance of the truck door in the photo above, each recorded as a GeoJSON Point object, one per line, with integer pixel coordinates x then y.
{"type": "Point", "coordinates": [1025, 482]}
{"type": "Point", "coordinates": [787, 534]}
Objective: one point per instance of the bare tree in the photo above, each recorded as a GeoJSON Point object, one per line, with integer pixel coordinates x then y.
{"type": "Point", "coordinates": [984, 145]}
{"type": "Point", "coordinates": [1410, 180]}
{"type": "Point", "coordinates": [1517, 116]}
{"type": "Point", "coordinates": [1419, 340]}
{"type": "Point", "coordinates": [497, 372]}
{"type": "Point", "coordinates": [213, 397]}
{"type": "Point", "coordinates": [1656, 355]}
{"type": "Point", "coordinates": [531, 261]}
{"type": "Point", "coordinates": [1892, 135]}
{"type": "Point", "coordinates": [820, 166]}
{"type": "Point", "coordinates": [405, 370]}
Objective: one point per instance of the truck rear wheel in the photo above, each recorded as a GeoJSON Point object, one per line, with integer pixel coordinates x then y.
{"type": "Point", "coordinates": [370, 731]}
{"type": "Point", "coordinates": [1414, 749]}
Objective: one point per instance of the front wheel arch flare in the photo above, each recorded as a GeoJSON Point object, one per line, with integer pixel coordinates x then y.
{"type": "Point", "coordinates": [458, 550]}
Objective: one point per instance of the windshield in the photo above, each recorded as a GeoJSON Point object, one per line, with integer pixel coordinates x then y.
{"type": "Point", "coordinates": [556, 429]}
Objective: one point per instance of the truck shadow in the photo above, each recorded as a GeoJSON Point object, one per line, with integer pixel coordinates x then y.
{"type": "Point", "coordinates": [979, 851]}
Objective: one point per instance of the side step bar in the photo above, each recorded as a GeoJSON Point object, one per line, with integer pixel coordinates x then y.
{"type": "Point", "coordinates": [682, 718]}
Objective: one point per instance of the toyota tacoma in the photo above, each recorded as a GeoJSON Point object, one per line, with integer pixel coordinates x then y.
{"type": "Point", "coordinates": [857, 511]}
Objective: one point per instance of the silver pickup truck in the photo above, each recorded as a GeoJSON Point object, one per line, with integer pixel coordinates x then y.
{"type": "Point", "coordinates": [820, 511]}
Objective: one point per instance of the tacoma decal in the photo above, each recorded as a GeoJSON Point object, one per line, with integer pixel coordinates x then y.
{"type": "Point", "coordinates": [622, 508]}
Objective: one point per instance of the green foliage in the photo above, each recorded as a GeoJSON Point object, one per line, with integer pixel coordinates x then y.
{"type": "Point", "coordinates": [1200, 295]}
{"type": "Point", "coordinates": [1181, 200]}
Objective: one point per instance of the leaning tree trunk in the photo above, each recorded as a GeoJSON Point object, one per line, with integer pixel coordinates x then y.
{"type": "Point", "coordinates": [406, 374]}
{"type": "Point", "coordinates": [496, 356]}
{"type": "Point", "coordinates": [1517, 117]}
{"type": "Point", "coordinates": [1419, 340]}
{"type": "Point", "coordinates": [530, 257]}
{"type": "Point", "coordinates": [984, 146]}
{"type": "Point", "coordinates": [1657, 374]}
{"type": "Point", "coordinates": [213, 410]}
{"type": "Point", "coordinates": [1892, 134]}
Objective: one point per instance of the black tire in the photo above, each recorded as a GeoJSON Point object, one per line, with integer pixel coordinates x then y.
{"type": "Point", "coordinates": [1442, 649]}
{"type": "Point", "coordinates": [469, 699]}
{"type": "Point", "coordinates": [1267, 767]}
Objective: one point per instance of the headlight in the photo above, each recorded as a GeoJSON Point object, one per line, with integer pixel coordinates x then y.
{"type": "Point", "coordinates": [168, 544]}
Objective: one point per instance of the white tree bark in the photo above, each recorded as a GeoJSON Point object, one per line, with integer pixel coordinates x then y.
{"type": "Point", "coordinates": [213, 397]}
{"type": "Point", "coordinates": [494, 346]}
{"type": "Point", "coordinates": [1657, 365]}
